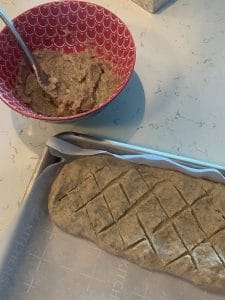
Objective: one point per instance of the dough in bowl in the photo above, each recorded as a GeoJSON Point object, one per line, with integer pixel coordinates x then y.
{"type": "Point", "coordinates": [79, 82]}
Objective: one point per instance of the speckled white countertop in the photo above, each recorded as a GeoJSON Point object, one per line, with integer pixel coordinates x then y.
{"type": "Point", "coordinates": [175, 100]}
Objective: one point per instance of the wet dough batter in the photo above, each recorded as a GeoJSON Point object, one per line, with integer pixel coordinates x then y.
{"type": "Point", "coordinates": [78, 83]}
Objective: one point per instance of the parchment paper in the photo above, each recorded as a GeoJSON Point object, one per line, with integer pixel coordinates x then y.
{"type": "Point", "coordinates": [69, 151]}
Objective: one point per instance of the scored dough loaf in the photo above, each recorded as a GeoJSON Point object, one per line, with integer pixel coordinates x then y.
{"type": "Point", "coordinates": [159, 219]}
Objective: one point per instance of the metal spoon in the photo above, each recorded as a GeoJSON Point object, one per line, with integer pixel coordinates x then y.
{"type": "Point", "coordinates": [41, 76]}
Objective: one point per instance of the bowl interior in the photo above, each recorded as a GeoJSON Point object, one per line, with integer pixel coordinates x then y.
{"type": "Point", "coordinates": [68, 26]}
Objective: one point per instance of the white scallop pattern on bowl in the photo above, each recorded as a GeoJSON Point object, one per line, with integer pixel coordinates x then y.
{"type": "Point", "coordinates": [69, 26]}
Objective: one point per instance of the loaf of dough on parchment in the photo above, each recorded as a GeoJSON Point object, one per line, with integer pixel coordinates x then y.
{"type": "Point", "coordinates": [159, 219]}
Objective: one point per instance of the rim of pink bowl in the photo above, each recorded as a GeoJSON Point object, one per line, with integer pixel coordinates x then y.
{"type": "Point", "coordinates": [83, 114]}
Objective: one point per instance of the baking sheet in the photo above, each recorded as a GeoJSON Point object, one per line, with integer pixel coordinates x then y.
{"type": "Point", "coordinates": [39, 261]}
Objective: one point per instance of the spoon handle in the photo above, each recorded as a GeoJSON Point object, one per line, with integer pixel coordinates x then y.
{"type": "Point", "coordinates": [18, 37]}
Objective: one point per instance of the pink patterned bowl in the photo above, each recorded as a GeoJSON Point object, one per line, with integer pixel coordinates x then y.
{"type": "Point", "coordinates": [71, 26]}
